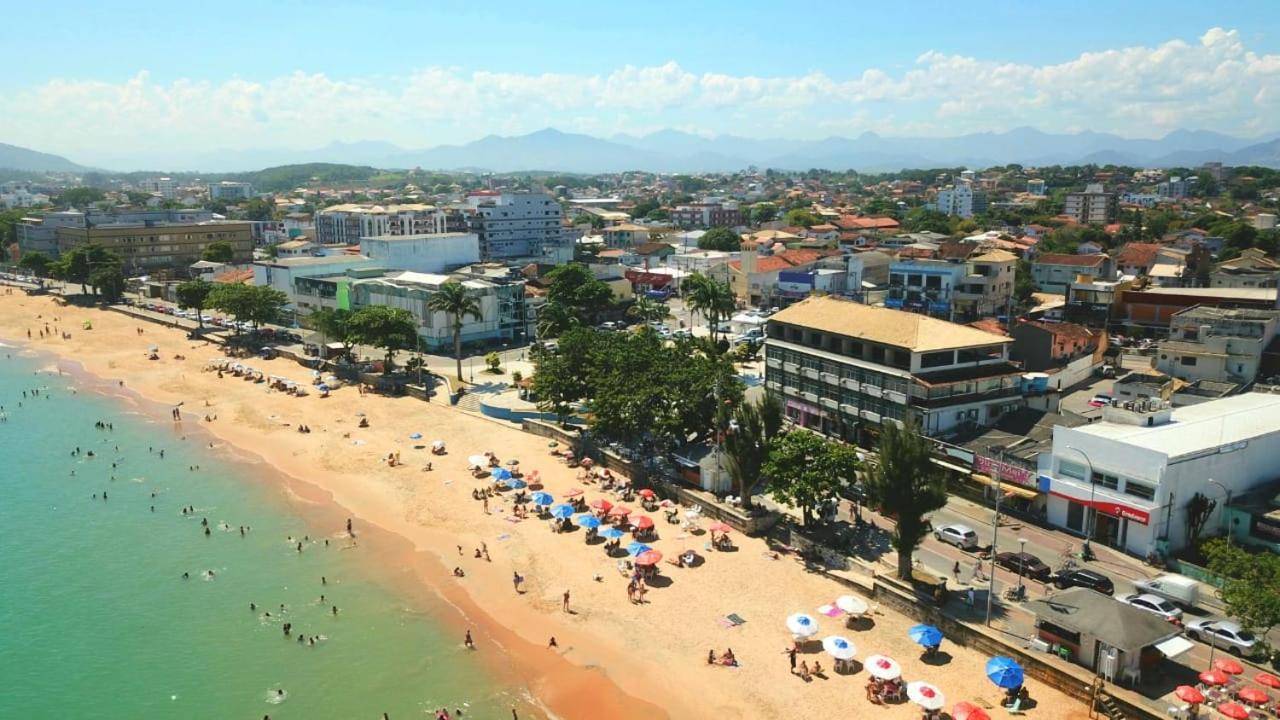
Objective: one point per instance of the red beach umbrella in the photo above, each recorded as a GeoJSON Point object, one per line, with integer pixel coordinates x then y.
{"type": "Point", "coordinates": [644, 523]}
{"type": "Point", "coordinates": [1213, 677]}
{"type": "Point", "coordinates": [619, 511]}
{"type": "Point", "coordinates": [647, 493]}
{"type": "Point", "coordinates": [1228, 666]}
{"type": "Point", "coordinates": [969, 711]}
{"type": "Point", "coordinates": [649, 557]}
{"type": "Point", "coordinates": [1188, 694]}
{"type": "Point", "coordinates": [1234, 710]}
{"type": "Point", "coordinates": [1267, 679]}
{"type": "Point", "coordinates": [1253, 695]}
{"type": "Point", "coordinates": [602, 504]}
{"type": "Point", "coordinates": [719, 527]}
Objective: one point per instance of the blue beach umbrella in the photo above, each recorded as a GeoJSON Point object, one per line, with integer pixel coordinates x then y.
{"type": "Point", "coordinates": [515, 483]}
{"type": "Point", "coordinates": [1004, 672]}
{"type": "Point", "coordinates": [612, 533]}
{"type": "Point", "coordinates": [561, 511]}
{"type": "Point", "coordinates": [926, 635]}
{"type": "Point", "coordinates": [500, 474]}
{"type": "Point", "coordinates": [636, 548]}
{"type": "Point", "coordinates": [542, 498]}
{"type": "Point", "coordinates": [588, 521]}
{"type": "Point", "coordinates": [415, 436]}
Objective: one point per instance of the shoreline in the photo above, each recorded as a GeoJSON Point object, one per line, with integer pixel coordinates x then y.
{"type": "Point", "coordinates": [614, 659]}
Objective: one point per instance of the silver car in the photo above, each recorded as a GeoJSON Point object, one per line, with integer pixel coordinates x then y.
{"type": "Point", "coordinates": [1224, 634]}
{"type": "Point", "coordinates": [1155, 605]}
{"type": "Point", "coordinates": [962, 536]}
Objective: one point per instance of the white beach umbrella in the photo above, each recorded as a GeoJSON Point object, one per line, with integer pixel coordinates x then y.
{"type": "Point", "coordinates": [802, 626]}
{"type": "Point", "coordinates": [925, 695]}
{"type": "Point", "coordinates": [852, 604]}
{"type": "Point", "coordinates": [884, 668]}
{"type": "Point", "coordinates": [839, 648]}
{"type": "Point", "coordinates": [478, 460]}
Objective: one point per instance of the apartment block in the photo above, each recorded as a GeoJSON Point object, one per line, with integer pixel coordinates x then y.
{"type": "Point", "coordinates": [1094, 206]}
{"type": "Point", "coordinates": [1213, 343]}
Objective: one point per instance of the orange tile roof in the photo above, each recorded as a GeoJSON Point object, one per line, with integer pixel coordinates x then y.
{"type": "Point", "coordinates": [1064, 259]}
{"type": "Point", "coordinates": [1141, 254]}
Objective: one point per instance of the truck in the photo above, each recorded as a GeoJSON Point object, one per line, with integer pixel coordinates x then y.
{"type": "Point", "coordinates": [1176, 588]}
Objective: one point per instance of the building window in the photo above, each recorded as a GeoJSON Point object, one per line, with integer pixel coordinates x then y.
{"type": "Point", "coordinates": [1111, 482]}
{"type": "Point", "coordinates": [1139, 490]}
{"type": "Point", "coordinates": [1188, 361]}
{"type": "Point", "coordinates": [1075, 471]}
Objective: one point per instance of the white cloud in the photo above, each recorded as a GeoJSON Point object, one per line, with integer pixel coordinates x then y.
{"type": "Point", "coordinates": [1214, 82]}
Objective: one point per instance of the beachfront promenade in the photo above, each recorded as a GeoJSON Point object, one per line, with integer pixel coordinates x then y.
{"type": "Point", "coordinates": [655, 647]}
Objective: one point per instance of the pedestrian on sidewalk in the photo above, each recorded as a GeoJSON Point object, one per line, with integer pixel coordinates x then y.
{"type": "Point", "coordinates": [977, 570]}
{"type": "Point", "coordinates": [956, 572]}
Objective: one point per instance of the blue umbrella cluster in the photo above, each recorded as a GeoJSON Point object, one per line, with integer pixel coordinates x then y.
{"type": "Point", "coordinates": [515, 483]}
{"type": "Point", "coordinates": [562, 511]}
{"type": "Point", "coordinates": [588, 521]}
{"type": "Point", "coordinates": [541, 498]}
{"type": "Point", "coordinates": [612, 533]}
{"type": "Point", "coordinates": [500, 474]}
{"type": "Point", "coordinates": [1004, 672]}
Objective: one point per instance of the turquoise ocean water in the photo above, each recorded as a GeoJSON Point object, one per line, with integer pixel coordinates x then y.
{"type": "Point", "coordinates": [97, 622]}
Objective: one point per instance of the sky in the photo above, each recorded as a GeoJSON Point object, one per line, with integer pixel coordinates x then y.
{"type": "Point", "coordinates": [95, 79]}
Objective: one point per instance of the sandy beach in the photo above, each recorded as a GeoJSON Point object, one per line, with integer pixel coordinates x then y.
{"type": "Point", "coordinates": [614, 658]}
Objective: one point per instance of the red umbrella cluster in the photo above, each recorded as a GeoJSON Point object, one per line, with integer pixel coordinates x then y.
{"type": "Point", "coordinates": [1234, 710]}
{"type": "Point", "coordinates": [969, 711]}
{"type": "Point", "coordinates": [1213, 677]}
{"type": "Point", "coordinates": [1228, 666]}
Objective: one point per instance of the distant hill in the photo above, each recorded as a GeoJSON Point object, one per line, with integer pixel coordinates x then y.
{"type": "Point", "coordinates": [13, 157]}
{"type": "Point", "coordinates": [287, 177]}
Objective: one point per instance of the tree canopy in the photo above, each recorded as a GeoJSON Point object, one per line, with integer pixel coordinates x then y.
{"type": "Point", "coordinates": [81, 196]}
{"type": "Point", "coordinates": [36, 263]}
{"type": "Point", "coordinates": [906, 485]}
{"type": "Point", "coordinates": [800, 217]}
{"type": "Point", "coordinates": [746, 442]}
{"type": "Point", "coordinates": [720, 238]}
{"type": "Point", "coordinates": [79, 264]}
{"type": "Point", "coordinates": [807, 471]}
{"type": "Point", "coordinates": [453, 300]}
{"type": "Point", "coordinates": [221, 252]}
{"type": "Point", "coordinates": [255, 304]}
{"type": "Point", "coordinates": [194, 295]}
{"type": "Point", "coordinates": [1251, 590]}
{"type": "Point", "coordinates": [389, 328]}
{"type": "Point", "coordinates": [335, 325]}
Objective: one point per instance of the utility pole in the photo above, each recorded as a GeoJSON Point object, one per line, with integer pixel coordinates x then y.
{"type": "Point", "coordinates": [995, 534]}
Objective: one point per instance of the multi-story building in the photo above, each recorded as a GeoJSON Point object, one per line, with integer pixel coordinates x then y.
{"type": "Point", "coordinates": [40, 234]}
{"type": "Point", "coordinates": [707, 215]}
{"type": "Point", "coordinates": [987, 288]}
{"type": "Point", "coordinates": [504, 315]}
{"type": "Point", "coordinates": [961, 200]}
{"type": "Point", "coordinates": [228, 190]}
{"type": "Point", "coordinates": [1253, 269]}
{"type": "Point", "coordinates": [286, 274]}
{"type": "Point", "coordinates": [346, 224]}
{"type": "Point", "coordinates": [1041, 346]}
{"type": "Point", "coordinates": [1175, 188]}
{"type": "Point", "coordinates": [434, 253]}
{"type": "Point", "coordinates": [1054, 273]}
{"type": "Point", "coordinates": [519, 226]}
{"type": "Point", "coordinates": [167, 187]}
{"type": "Point", "coordinates": [924, 286]}
{"type": "Point", "coordinates": [1126, 481]}
{"type": "Point", "coordinates": [1094, 206]}
{"type": "Point", "coordinates": [1035, 186]}
{"type": "Point", "coordinates": [154, 246]}
{"type": "Point", "coordinates": [841, 365]}
{"type": "Point", "coordinates": [1213, 343]}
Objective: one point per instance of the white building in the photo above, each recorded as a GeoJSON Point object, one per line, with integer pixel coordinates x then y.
{"type": "Point", "coordinates": [233, 191]}
{"type": "Point", "coordinates": [346, 224]}
{"type": "Point", "coordinates": [280, 274]}
{"type": "Point", "coordinates": [519, 226]}
{"type": "Point", "coordinates": [504, 313]}
{"type": "Point", "coordinates": [166, 186]}
{"type": "Point", "coordinates": [1094, 206]}
{"type": "Point", "coordinates": [22, 198]}
{"type": "Point", "coordinates": [961, 200]}
{"type": "Point", "coordinates": [1128, 478]}
{"type": "Point", "coordinates": [702, 261]}
{"type": "Point", "coordinates": [429, 253]}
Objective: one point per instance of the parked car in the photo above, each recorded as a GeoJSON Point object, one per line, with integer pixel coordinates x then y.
{"type": "Point", "coordinates": [1024, 562]}
{"type": "Point", "coordinates": [1100, 400]}
{"type": "Point", "coordinates": [1178, 588]}
{"type": "Point", "coordinates": [962, 536]}
{"type": "Point", "coordinates": [1153, 604]}
{"type": "Point", "coordinates": [1084, 578]}
{"type": "Point", "coordinates": [1224, 634]}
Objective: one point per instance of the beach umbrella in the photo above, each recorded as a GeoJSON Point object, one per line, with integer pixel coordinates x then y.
{"type": "Point", "coordinates": [1267, 679]}
{"type": "Point", "coordinates": [619, 511]}
{"type": "Point", "coordinates": [968, 711]}
{"type": "Point", "coordinates": [1234, 710]}
{"type": "Point", "coordinates": [562, 511]}
{"type": "Point", "coordinates": [925, 695]}
{"type": "Point", "coordinates": [154, 348]}
{"type": "Point", "coordinates": [573, 493]}
{"type": "Point", "coordinates": [802, 626]}
{"type": "Point", "coordinates": [553, 443]}
{"type": "Point", "coordinates": [322, 387]}
{"type": "Point", "coordinates": [883, 668]}
{"type": "Point", "coordinates": [602, 504]}
{"type": "Point", "coordinates": [1228, 666]}
{"type": "Point", "coordinates": [500, 474]}
{"type": "Point", "coordinates": [635, 548]}
{"type": "Point", "coordinates": [513, 462]}
{"type": "Point", "coordinates": [644, 522]}
{"type": "Point", "coordinates": [477, 461]}
{"type": "Point", "coordinates": [542, 498]}
{"type": "Point", "coordinates": [647, 493]}
{"type": "Point", "coordinates": [415, 436]}
{"type": "Point", "coordinates": [852, 604]}
{"type": "Point", "coordinates": [719, 527]}
{"type": "Point", "coordinates": [587, 462]}
{"type": "Point", "coordinates": [437, 444]}
{"type": "Point", "coordinates": [1004, 672]}
{"type": "Point", "coordinates": [666, 504]}
{"type": "Point", "coordinates": [586, 520]}
{"type": "Point", "coordinates": [838, 647]}
{"type": "Point", "coordinates": [649, 557]}
{"type": "Point", "coordinates": [612, 533]}
{"type": "Point", "coordinates": [1253, 695]}
{"type": "Point", "coordinates": [926, 635]}
{"type": "Point", "coordinates": [1213, 677]}
{"type": "Point", "coordinates": [1188, 694]}
{"type": "Point", "coordinates": [515, 483]}
{"type": "Point", "coordinates": [315, 373]}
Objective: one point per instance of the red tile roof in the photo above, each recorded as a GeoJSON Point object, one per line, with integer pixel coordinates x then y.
{"type": "Point", "coordinates": [1070, 330]}
{"type": "Point", "coordinates": [1139, 254]}
{"type": "Point", "coordinates": [990, 325]}
{"type": "Point", "coordinates": [1076, 260]}
{"type": "Point", "coordinates": [786, 259]}
{"type": "Point", "coordinates": [852, 222]}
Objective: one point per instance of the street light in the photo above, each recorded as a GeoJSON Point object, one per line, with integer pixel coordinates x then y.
{"type": "Point", "coordinates": [995, 535]}
{"type": "Point", "coordinates": [1087, 551]}
{"type": "Point", "coordinates": [1022, 561]}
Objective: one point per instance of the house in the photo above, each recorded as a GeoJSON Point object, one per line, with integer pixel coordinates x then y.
{"type": "Point", "coordinates": [1041, 346]}
{"type": "Point", "coordinates": [1221, 344]}
{"type": "Point", "coordinates": [625, 235]}
{"type": "Point", "coordinates": [754, 277]}
{"type": "Point", "coordinates": [987, 288]}
{"type": "Point", "coordinates": [1252, 269]}
{"type": "Point", "coordinates": [1137, 258]}
{"type": "Point", "coordinates": [1150, 309]}
{"type": "Point", "coordinates": [923, 285]}
{"type": "Point", "coordinates": [825, 232]}
{"type": "Point", "coordinates": [1054, 272]}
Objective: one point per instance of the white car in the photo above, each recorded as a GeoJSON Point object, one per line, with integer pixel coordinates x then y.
{"type": "Point", "coordinates": [1223, 634]}
{"type": "Point", "coordinates": [1155, 605]}
{"type": "Point", "coordinates": [962, 536]}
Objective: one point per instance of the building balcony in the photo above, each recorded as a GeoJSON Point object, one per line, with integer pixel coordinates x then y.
{"type": "Point", "coordinates": [790, 367]}
{"type": "Point", "coordinates": [851, 384]}
{"type": "Point", "coordinates": [829, 403]}
{"type": "Point", "coordinates": [830, 378]}
{"type": "Point", "coordinates": [871, 416]}
{"type": "Point", "coordinates": [773, 385]}
{"type": "Point", "coordinates": [894, 396]}
{"type": "Point", "coordinates": [811, 373]}
{"type": "Point", "coordinates": [847, 409]}
{"type": "Point", "coordinates": [774, 363]}
{"type": "Point", "coordinates": [810, 396]}
{"type": "Point", "coordinates": [790, 390]}
{"type": "Point", "coordinates": [872, 390]}
{"type": "Point", "coordinates": [934, 401]}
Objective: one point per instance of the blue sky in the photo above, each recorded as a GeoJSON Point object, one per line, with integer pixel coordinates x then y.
{"type": "Point", "coordinates": [287, 74]}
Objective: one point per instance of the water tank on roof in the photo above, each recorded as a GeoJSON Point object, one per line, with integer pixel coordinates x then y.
{"type": "Point", "coordinates": [1034, 383]}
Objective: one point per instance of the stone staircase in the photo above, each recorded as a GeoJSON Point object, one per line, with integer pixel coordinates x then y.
{"type": "Point", "coordinates": [1107, 706]}
{"type": "Point", "coordinates": [469, 402]}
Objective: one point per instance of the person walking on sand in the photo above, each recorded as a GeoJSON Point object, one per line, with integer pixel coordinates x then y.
{"type": "Point", "coordinates": [791, 652]}
{"type": "Point", "coordinates": [517, 581]}
{"type": "Point", "coordinates": [553, 643]}
{"type": "Point", "coordinates": [566, 601]}
{"type": "Point", "coordinates": [349, 532]}
{"type": "Point", "coordinates": [468, 642]}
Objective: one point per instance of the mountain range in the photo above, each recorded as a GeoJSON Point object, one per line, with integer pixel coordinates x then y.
{"type": "Point", "coordinates": [676, 151]}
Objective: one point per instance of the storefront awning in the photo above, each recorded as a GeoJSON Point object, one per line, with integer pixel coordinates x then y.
{"type": "Point", "coordinates": [950, 466]}
{"type": "Point", "coordinates": [1008, 488]}
{"type": "Point", "coordinates": [1174, 646]}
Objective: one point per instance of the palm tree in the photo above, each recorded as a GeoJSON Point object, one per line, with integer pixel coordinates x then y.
{"type": "Point", "coordinates": [452, 299]}
{"type": "Point", "coordinates": [646, 309]}
{"type": "Point", "coordinates": [555, 319]}
{"type": "Point", "coordinates": [710, 297]}
{"type": "Point", "coordinates": [746, 444]}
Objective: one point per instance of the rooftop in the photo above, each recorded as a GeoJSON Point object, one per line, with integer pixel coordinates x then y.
{"type": "Point", "coordinates": [1089, 612]}
{"type": "Point", "coordinates": [996, 256]}
{"type": "Point", "coordinates": [309, 260]}
{"type": "Point", "coordinates": [372, 209]}
{"type": "Point", "coordinates": [1076, 260]}
{"type": "Point", "coordinates": [1196, 428]}
{"type": "Point", "coordinates": [417, 237]}
{"type": "Point", "coordinates": [1219, 293]}
{"type": "Point", "coordinates": [1213, 312]}
{"type": "Point", "coordinates": [920, 333]}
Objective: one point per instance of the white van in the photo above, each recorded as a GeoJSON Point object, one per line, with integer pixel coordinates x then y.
{"type": "Point", "coordinates": [1178, 588]}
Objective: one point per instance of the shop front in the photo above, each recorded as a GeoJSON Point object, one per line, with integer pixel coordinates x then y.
{"type": "Point", "coordinates": [1110, 521]}
{"type": "Point", "coordinates": [1017, 485]}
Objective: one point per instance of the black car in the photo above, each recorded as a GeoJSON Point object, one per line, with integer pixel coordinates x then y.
{"type": "Point", "coordinates": [1084, 578]}
{"type": "Point", "coordinates": [1026, 563]}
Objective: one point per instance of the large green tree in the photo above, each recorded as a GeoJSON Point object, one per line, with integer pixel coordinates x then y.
{"type": "Point", "coordinates": [573, 286]}
{"type": "Point", "coordinates": [453, 300]}
{"type": "Point", "coordinates": [1251, 587]}
{"type": "Point", "coordinates": [78, 264]}
{"type": "Point", "coordinates": [746, 442]}
{"type": "Point", "coordinates": [220, 252]}
{"type": "Point", "coordinates": [763, 212]}
{"type": "Point", "coordinates": [108, 281]}
{"type": "Point", "coordinates": [254, 304]}
{"type": "Point", "coordinates": [389, 328]}
{"type": "Point", "coordinates": [555, 319]}
{"type": "Point", "coordinates": [646, 309]}
{"type": "Point", "coordinates": [800, 217]}
{"type": "Point", "coordinates": [710, 297]}
{"type": "Point", "coordinates": [194, 295]}
{"type": "Point", "coordinates": [81, 196]}
{"type": "Point", "coordinates": [335, 325]}
{"type": "Point", "coordinates": [720, 238]}
{"type": "Point", "coordinates": [807, 471]}
{"type": "Point", "coordinates": [36, 263]}
{"type": "Point", "coordinates": [905, 484]}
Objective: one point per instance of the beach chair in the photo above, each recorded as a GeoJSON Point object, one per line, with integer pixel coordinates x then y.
{"type": "Point", "coordinates": [1016, 708]}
